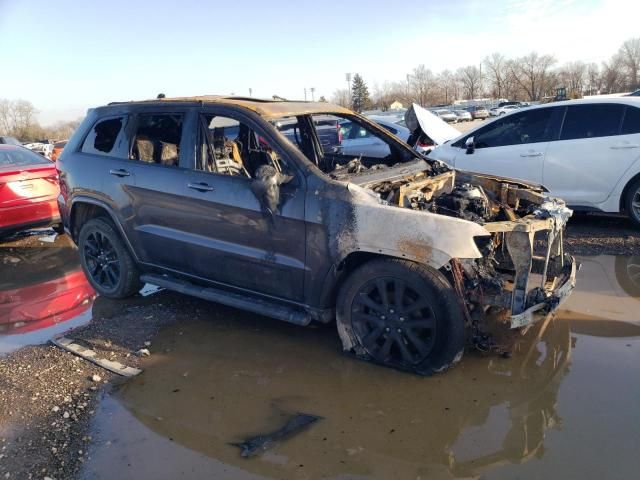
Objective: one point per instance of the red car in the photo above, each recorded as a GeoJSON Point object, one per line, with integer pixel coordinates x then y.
{"type": "Point", "coordinates": [28, 190]}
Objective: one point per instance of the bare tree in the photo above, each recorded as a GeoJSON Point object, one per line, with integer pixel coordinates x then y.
{"type": "Point", "coordinates": [573, 76]}
{"type": "Point", "coordinates": [422, 85]}
{"type": "Point", "coordinates": [612, 78]}
{"type": "Point", "coordinates": [471, 79]}
{"type": "Point", "coordinates": [497, 72]}
{"type": "Point", "coordinates": [629, 54]}
{"type": "Point", "coordinates": [533, 73]}
{"type": "Point", "coordinates": [341, 97]}
{"type": "Point", "coordinates": [594, 79]}
{"type": "Point", "coordinates": [448, 86]}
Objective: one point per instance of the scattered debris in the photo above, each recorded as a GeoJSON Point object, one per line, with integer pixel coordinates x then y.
{"type": "Point", "coordinates": [260, 443]}
{"type": "Point", "coordinates": [49, 238]}
{"type": "Point", "coordinates": [143, 352]}
{"type": "Point", "coordinates": [96, 378]}
{"type": "Point", "coordinates": [91, 356]}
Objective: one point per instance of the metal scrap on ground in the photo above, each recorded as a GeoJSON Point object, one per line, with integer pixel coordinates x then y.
{"type": "Point", "coordinates": [260, 443]}
{"type": "Point", "coordinates": [91, 356]}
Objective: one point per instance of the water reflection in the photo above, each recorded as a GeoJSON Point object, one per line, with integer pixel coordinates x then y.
{"type": "Point", "coordinates": [43, 291]}
{"type": "Point", "coordinates": [377, 422]}
{"type": "Point", "coordinates": [230, 375]}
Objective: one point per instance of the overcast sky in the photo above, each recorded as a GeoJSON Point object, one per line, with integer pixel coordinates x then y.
{"type": "Point", "coordinates": [65, 56]}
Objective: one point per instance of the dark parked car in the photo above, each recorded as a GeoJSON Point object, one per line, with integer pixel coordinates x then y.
{"type": "Point", "coordinates": [207, 197]}
{"type": "Point", "coordinates": [9, 141]}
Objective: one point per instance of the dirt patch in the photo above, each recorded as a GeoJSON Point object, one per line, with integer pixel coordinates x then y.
{"type": "Point", "coordinates": [601, 235]}
{"type": "Point", "coordinates": [47, 396]}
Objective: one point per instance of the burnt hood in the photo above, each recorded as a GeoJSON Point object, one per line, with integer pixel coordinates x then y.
{"type": "Point", "coordinates": [419, 118]}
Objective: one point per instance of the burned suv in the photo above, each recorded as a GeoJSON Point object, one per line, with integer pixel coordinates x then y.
{"type": "Point", "coordinates": [207, 196]}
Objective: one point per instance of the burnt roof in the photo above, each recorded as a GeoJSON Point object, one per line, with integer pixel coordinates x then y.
{"type": "Point", "coordinates": [263, 107]}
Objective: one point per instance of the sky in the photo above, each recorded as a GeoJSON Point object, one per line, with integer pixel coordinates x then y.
{"type": "Point", "coordinates": [66, 56]}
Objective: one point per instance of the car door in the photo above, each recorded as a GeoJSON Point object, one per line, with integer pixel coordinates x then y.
{"type": "Point", "coordinates": [105, 167]}
{"type": "Point", "coordinates": [513, 146]}
{"type": "Point", "coordinates": [227, 235]}
{"type": "Point", "coordinates": [585, 163]}
{"type": "Point", "coordinates": [157, 158]}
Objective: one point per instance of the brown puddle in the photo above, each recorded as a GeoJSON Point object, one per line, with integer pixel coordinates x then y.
{"type": "Point", "coordinates": [564, 406]}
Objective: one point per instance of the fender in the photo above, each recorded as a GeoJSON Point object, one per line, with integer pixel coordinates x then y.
{"type": "Point", "coordinates": [110, 212]}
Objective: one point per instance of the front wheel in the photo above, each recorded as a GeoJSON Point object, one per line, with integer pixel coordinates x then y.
{"type": "Point", "coordinates": [106, 261]}
{"type": "Point", "coordinates": [402, 315]}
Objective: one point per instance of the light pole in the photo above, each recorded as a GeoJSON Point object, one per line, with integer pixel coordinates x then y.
{"type": "Point", "coordinates": [348, 77]}
{"type": "Point", "coordinates": [313, 98]}
{"type": "Point", "coordinates": [305, 94]}
{"type": "Point", "coordinates": [250, 92]}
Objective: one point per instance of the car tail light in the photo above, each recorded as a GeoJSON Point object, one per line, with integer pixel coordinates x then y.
{"type": "Point", "coordinates": [339, 133]}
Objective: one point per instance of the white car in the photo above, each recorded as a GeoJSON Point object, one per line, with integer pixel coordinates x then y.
{"type": "Point", "coordinates": [586, 152]}
{"type": "Point", "coordinates": [446, 115]}
{"type": "Point", "coordinates": [463, 115]}
{"type": "Point", "coordinates": [497, 111]}
{"type": "Point", "coordinates": [393, 124]}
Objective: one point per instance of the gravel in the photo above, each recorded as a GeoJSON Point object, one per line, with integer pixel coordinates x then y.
{"type": "Point", "coordinates": [47, 396]}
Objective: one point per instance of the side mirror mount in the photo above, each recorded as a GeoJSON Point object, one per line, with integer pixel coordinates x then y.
{"type": "Point", "coordinates": [266, 187]}
{"type": "Point", "coordinates": [470, 143]}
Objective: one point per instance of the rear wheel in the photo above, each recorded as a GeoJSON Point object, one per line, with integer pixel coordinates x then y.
{"type": "Point", "coordinates": [106, 261]}
{"type": "Point", "coordinates": [401, 314]}
{"type": "Point", "coordinates": [632, 202]}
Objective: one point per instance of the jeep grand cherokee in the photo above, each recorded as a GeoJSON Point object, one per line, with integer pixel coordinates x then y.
{"type": "Point", "coordinates": [205, 196]}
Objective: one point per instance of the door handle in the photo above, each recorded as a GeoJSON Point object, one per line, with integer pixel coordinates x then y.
{"type": "Point", "coordinates": [531, 154]}
{"type": "Point", "coordinates": [120, 172]}
{"type": "Point", "coordinates": [201, 187]}
{"type": "Point", "coordinates": [622, 146]}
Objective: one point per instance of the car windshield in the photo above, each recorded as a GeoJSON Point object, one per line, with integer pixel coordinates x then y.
{"type": "Point", "coordinates": [20, 157]}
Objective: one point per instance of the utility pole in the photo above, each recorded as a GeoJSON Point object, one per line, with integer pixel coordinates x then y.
{"type": "Point", "coordinates": [305, 94]}
{"type": "Point", "coordinates": [313, 98]}
{"type": "Point", "coordinates": [250, 92]}
{"type": "Point", "coordinates": [348, 77]}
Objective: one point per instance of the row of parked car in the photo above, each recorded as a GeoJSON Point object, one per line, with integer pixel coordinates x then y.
{"type": "Point", "coordinates": [46, 148]}
{"type": "Point", "coordinates": [476, 112]}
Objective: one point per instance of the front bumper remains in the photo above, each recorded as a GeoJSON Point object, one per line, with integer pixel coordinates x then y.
{"type": "Point", "coordinates": [553, 299]}
{"type": "Point", "coordinates": [526, 272]}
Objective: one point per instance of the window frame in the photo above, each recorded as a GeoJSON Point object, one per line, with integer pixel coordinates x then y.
{"type": "Point", "coordinates": [551, 133]}
{"type": "Point", "coordinates": [262, 128]}
{"type": "Point", "coordinates": [582, 105]}
{"type": "Point", "coordinates": [184, 141]}
{"type": "Point", "coordinates": [624, 117]}
{"type": "Point", "coordinates": [121, 152]}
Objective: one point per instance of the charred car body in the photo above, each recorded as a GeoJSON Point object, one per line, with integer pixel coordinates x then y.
{"type": "Point", "coordinates": [205, 196]}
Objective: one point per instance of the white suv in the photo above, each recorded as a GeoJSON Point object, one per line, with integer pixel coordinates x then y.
{"type": "Point", "coordinates": [586, 152]}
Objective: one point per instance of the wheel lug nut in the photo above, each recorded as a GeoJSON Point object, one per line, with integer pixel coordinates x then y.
{"type": "Point", "coordinates": [399, 330]}
{"type": "Point", "coordinates": [401, 319]}
{"type": "Point", "coordinates": [387, 329]}
{"type": "Point", "coordinates": [391, 310]}
{"type": "Point", "coordinates": [382, 317]}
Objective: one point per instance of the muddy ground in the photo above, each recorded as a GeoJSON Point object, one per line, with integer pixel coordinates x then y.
{"type": "Point", "coordinates": [216, 375]}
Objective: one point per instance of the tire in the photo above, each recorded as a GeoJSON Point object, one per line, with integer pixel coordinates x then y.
{"type": "Point", "coordinates": [424, 335]}
{"type": "Point", "coordinates": [100, 244]}
{"type": "Point", "coordinates": [632, 202]}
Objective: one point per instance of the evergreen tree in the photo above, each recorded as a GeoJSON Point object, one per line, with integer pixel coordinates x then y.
{"type": "Point", "coordinates": [359, 94]}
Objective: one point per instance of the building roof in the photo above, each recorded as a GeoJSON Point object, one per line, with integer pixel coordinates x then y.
{"type": "Point", "coordinates": [264, 108]}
